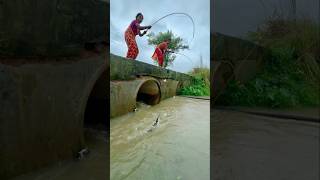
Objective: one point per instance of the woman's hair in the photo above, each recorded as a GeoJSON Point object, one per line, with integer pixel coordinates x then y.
{"type": "Point", "coordinates": [139, 14]}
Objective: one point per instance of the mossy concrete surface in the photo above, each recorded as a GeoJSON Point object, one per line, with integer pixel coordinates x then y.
{"type": "Point", "coordinates": [126, 69]}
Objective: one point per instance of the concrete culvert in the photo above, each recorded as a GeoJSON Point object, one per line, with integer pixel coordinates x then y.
{"type": "Point", "coordinates": [96, 112]}
{"type": "Point", "coordinates": [149, 93]}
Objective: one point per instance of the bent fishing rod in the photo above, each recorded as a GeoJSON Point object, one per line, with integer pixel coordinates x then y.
{"type": "Point", "coordinates": [177, 13]}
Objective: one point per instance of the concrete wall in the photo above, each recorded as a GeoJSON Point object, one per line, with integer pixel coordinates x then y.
{"type": "Point", "coordinates": [42, 109]}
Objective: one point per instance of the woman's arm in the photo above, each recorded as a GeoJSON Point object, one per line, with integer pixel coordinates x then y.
{"type": "Point", "coordinates": [142, 27]}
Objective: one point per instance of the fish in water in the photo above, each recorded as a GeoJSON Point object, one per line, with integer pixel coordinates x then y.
{"type": "Point", "coordinates": [82, 153]}
{"type": "Point", "coordinates": [156, 122]}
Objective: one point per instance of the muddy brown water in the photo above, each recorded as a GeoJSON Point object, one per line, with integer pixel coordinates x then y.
{"type": "Point", "coordinates": [174, 147]}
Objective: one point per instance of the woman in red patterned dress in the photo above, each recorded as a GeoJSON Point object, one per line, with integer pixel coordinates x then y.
{"type": "Point", "coordinates": [130, 36]}
{"type": "Point", "coordinates": [159, 53]}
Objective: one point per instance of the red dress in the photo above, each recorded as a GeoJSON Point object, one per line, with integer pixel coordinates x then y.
{"type": "Point", "coordinates": [130, 37]}
{"type": "Point", "coordinates": [159, 53]}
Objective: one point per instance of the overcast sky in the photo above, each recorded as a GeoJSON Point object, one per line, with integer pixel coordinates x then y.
{"type": "Point", "coordinates": [236, 18]}
{"type": "Point", "coordinates": [122, 12]}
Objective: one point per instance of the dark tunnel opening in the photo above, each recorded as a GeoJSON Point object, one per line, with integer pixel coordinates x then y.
{"type": "Point", "coordinates": [96, 112]}
{"type": "Point", "coordinates": [149, 93]}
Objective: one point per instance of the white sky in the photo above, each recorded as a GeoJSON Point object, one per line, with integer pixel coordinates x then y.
{"type": "Point", "coordinates": [122, 12]}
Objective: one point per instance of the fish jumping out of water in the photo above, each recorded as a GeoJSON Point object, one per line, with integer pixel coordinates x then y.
{"type": "Point", "coordinates": [156, 122]}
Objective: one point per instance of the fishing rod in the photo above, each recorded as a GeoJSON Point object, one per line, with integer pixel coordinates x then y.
{"type": "Point", "coordinates": [177, 13]}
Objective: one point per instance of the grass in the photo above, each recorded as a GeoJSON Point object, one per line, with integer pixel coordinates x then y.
{"type": "Point", "coordinates": [291, 75]}
{"type": "Point", "coordinates": [200, 86]}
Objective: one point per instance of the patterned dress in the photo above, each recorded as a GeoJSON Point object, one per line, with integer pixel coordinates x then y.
{"type": "Point", "coordinates": [159, 52]}
{"type": "Point", "coordinates": [130, 37]}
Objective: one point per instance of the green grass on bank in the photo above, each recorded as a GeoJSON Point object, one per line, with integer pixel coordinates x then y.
{"type": "Point", "coordinates": [200, 86]}
{"type": "Point", "coordinates": [291, 74]}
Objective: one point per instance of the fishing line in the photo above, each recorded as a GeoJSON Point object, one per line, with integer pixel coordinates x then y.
{"type": "Point", "coordinates": [176, 13]}
{"type": "Point", "coordinates": [184, 56]}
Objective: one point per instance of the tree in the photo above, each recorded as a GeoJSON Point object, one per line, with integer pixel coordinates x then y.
{"type": "Point", "coordinates": [175, 45]}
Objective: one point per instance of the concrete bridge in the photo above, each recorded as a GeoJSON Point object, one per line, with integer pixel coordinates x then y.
{"type": "Point", "coordinates": [133, 81]}
{"type": "Point", "coordinates": [44, 106]}
{"type": "Point", "coordinates": [234, 59]}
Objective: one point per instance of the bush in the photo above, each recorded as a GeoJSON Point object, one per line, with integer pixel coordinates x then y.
{"type": "Point", "coordinates": [200, 86]}
{"type": "Point", "coordinates": [291, 75]}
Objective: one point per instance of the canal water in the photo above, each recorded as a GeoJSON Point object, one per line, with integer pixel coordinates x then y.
{"type": "Point", "coordinates": [91, 167]}
{"type": "Point", "coordinates": [167, 141]}
{"type": "Point", "coordinates": [174, 147]}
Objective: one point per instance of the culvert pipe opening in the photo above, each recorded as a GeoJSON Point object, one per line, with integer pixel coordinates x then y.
{"type": "Point", "coordinates": [149, 93]}
{"type": "Point", "coordinates": [96, 112]}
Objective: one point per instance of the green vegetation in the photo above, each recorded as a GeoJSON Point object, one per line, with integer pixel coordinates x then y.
{"type": "Point", "coordinates": [200, 85]}
{"type": "Point", "coordinates": [291, 75]}
{"type": "Point", "coordinates": [175, 45]}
